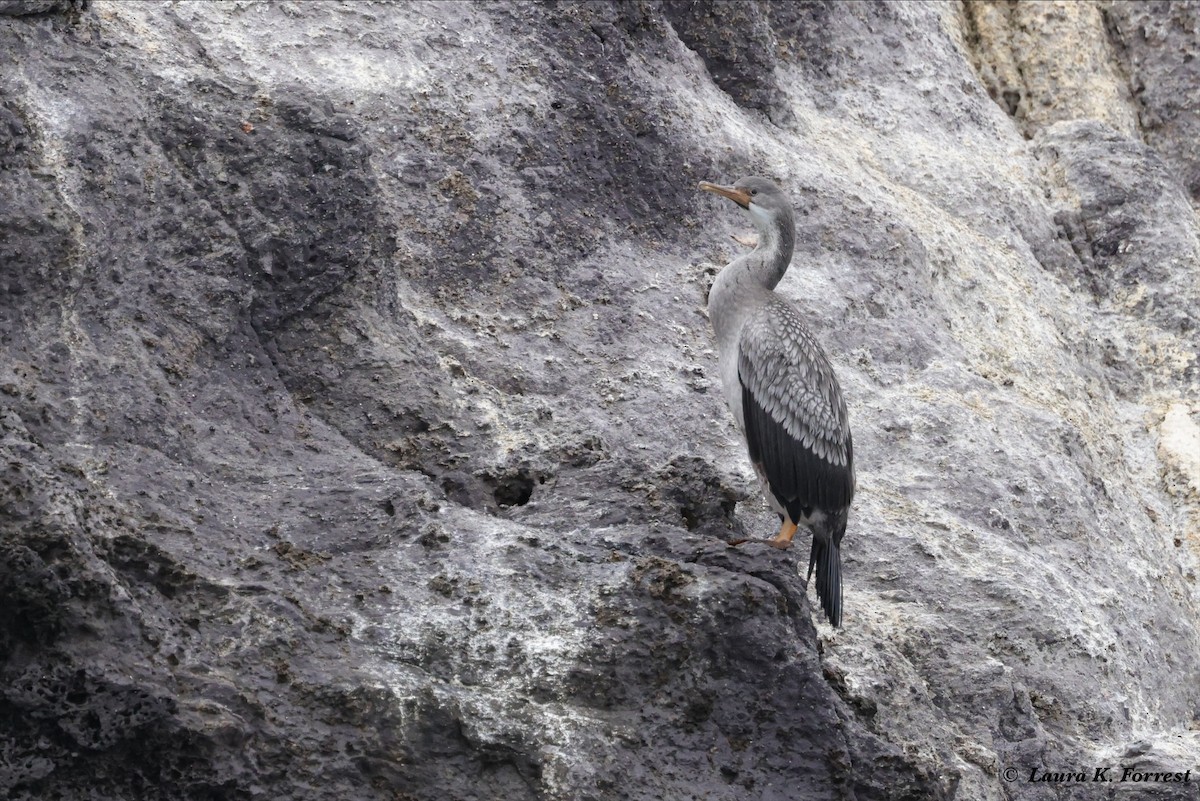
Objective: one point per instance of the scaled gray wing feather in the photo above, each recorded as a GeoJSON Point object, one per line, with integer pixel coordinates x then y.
{"type": "Point", "coordinates": [796, 423]}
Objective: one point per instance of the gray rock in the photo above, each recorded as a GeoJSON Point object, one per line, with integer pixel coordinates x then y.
{"type": "Point", "coordinates": [360, 435]}
{"type": "Point", "coordinates": [743, 66]}
{"type": "Point", "coordinates": [21, 8]}
{"type": "Point", "coordinates": [1158, 44]}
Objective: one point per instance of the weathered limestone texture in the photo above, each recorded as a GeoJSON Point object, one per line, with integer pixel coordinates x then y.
{"type": "Point", "coordinates": [1049, 60]}
{"type": "Point", "coordinates": [360, 434]}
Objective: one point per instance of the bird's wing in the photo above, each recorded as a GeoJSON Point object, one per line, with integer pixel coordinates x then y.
{"type": "Point", "coordinates": [795, 417]}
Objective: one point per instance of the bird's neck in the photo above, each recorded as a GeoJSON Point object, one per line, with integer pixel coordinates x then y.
{"type": "Point", "coordinates": [761, 269]}
{"type": "Point", "coordinates": [766, 264]}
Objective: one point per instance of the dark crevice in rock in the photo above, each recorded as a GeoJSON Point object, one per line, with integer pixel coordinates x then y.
{"type": "Point", "coordinates": [985, 61]}
{"type": "Point", "coordinates": [514, 487]}
{"type": "Point", "coordinates": [22, 8]}
{"type": "Point", "coordinates": [1117, 41]}
{"type": "Point", "coordinates": [738, 46]}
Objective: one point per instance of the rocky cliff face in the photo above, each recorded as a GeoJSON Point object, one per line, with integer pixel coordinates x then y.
{"type": "Point", "coordinates": [360, 427]}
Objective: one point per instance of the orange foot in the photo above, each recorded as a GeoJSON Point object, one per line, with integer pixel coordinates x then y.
{"type": "Point", "coordinates": [782, 540]}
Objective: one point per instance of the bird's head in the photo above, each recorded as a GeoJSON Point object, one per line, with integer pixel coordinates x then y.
{"type": "Point", "coordinates": [761, 198]}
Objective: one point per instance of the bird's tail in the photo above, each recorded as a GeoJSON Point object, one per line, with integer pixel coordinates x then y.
{"type": "Point", "coordinates": [826, 557]}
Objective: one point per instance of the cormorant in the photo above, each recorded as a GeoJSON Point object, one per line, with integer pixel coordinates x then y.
{"type": "Point", "coordinates": [781, 389]}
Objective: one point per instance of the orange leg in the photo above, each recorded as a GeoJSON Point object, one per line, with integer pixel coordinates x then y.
{"type": "Point", "coordinates": [781, 540]}
{"type": "Point", "coordinates": [784, 538]}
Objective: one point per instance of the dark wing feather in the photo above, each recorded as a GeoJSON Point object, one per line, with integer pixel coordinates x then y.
{"type": "Point", "coordinates": [795, 417]}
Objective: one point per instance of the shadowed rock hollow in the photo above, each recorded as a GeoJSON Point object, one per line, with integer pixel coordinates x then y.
{"type": "Point", "coordinates": [360, 427]}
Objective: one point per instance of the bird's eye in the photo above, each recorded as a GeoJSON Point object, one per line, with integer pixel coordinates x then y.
{"type": "Point", "coordinates": [753, 192]}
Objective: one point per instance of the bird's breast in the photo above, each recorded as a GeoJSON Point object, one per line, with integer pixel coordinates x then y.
{"type": "Point", "coordinates": [733, 301]}
{"type": "Point", "coordinates": [731, 386]}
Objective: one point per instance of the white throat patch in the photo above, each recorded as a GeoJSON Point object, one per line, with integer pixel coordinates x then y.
{"type": "Point", "coordinates": [760, 214]}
